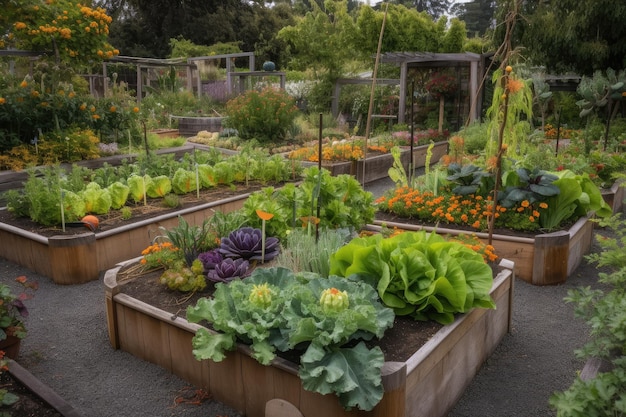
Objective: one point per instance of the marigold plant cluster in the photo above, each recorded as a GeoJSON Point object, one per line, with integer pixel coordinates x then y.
{"type": "Point", "coordinates": [338, 151]}
{"type": "Point", "coordinates": [471, 210]}
{"type": "Point", "coordinates": [550, 132]}
{"type": "Point", "coordinates": [160, 255]}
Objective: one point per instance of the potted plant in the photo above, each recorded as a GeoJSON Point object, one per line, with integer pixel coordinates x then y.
{"type": "Point", "coordinates": [12, 313]}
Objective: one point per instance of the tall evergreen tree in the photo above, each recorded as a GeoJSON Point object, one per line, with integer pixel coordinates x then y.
{"type": "Point", "coordinates": [478, 15]}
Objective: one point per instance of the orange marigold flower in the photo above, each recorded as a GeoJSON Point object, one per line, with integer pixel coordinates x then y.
{"type": "Point", "coordinates": [112, 109]}
{"type": "Point", "coordinates": [24, 84]}
{"type": "Point", "coordinates": [535, 213]}
{"type": "Point", "coordinates": [525, 203]}
{"type": "Point", "coordinates": [2, 100]}
{"type": "Point", "coordinates": [543, 205]}
{"type": "Point", "coordinates": [135, 109]}
{"type": "Point", "coordinates": [531, 219]}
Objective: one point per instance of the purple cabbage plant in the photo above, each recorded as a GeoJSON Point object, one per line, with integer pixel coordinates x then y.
{"type": "Point", "coordinates": [229, 270]}
{"type": "Point", "coordinates": [210, 258]}
{"type": "Point", "coordinates": [246, 243]}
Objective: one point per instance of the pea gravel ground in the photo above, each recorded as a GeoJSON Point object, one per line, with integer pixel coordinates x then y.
{"type": "Point", "coordinates": [68, 349]}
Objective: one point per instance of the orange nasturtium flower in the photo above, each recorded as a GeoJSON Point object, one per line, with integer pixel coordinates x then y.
{"type": "Point", "coordinates": [263, 215]}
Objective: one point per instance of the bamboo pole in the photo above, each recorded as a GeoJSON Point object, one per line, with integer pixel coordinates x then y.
{"type": "Point", "coordinates": [371, 105]}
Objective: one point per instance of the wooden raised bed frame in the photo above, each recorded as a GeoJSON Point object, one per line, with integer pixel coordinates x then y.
{"type": "Point", "coordinates": [429, 383]}
{"type": "Point", "coordinates": [376, 167]}
{"type": "Point", "coordinates": [75, 259]}
{"type": "Point", "coordinates": [546, 259]}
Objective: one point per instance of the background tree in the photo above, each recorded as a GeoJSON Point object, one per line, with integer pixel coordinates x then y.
{"type": "Point", "coordinates": [434, 8]}
{"type": "Point", "coordinates": [571, 35]}
{"type": "Point", "coordinates": [478, 15]}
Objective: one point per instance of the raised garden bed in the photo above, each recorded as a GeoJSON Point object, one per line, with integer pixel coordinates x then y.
{"type": "Point", "coordinates": [77, 258]}
{"type": "Point", "coordinates": [190, 126]}
{"type": "Point", "coordinates": [376, 167]}
{"type": "Point", "coordinates": [615, 196]}
{"type": "Point", "coordinates": [545, 259]}
{"type": "Point", "coordinates": [428, 383]}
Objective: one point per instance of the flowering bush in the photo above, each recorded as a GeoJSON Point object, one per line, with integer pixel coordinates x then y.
{"type": "Point", "coordinates": [264, 115]}
{"type": "Point", "coordinates": [75, 32]}
{"type": "Point", "coordinates": [441, 84]}
{"type": "Point", "coordinates": [41, 123]}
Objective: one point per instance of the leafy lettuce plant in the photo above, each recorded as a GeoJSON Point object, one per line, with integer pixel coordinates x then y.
{"type": "Point", "coordinates": [328, 319]}
{"type": "Point", "coordinates": [418, 274]}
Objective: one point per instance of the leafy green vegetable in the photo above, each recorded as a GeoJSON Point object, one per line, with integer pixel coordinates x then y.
{"type": "Point", "coordinates": [119, 194]}
{"type": "Point", "coordinates": [137, 185]}
{"type": "Point", "coordinates": [277, 310]}
{"type": "Point", "coordinates": [578, 195]}
{"type": "Point", "coordinates": [184, 181]}
{"type": "Point", "coordinates": [418, 274]}
{"type": "Point", "coordinates": [158, 187]}
{"type": "Point", "coordinates": [341, 200]}
{"type": "Point", "coordinates": [97, 200]}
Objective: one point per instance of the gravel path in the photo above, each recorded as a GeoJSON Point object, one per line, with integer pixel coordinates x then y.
{"type": "Point", "coordinates": [68, 349]}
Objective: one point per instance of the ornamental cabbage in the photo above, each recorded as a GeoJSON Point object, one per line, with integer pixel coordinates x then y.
{"type": "Point", "coordinates": [277, 310]}
{"type": "Point", "coordinates": [228, 270]}
{"type": "Point", "coordinates": [247, 243]}
{"type": "Point", "coordinates": [261, 295]}
{"type": "Point", "coordinates": [334, 301]}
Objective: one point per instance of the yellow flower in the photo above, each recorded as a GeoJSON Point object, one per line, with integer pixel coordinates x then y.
{"type": "Point", "coordinates": [20, 25]}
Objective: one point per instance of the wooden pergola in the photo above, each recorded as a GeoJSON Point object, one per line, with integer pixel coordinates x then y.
{"type": "Point", "coordinates": [408, 60]}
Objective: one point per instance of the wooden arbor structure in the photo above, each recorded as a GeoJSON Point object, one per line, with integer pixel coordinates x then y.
{"type": "Point", "coordinates": [408, 60]}
{"type": "Point", "coordinates": [474, 65]}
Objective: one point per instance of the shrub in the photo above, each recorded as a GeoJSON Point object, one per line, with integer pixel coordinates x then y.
{"type": "Point", "coordinates": [264, 115]}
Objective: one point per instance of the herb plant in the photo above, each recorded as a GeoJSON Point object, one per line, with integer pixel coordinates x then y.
{"type": "Point", "coordinates": [328, 318]}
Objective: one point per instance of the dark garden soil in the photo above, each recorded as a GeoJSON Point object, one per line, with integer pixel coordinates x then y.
{"type": "Point", "coordinates": [29, 404]}
{"type": "Point", "coordinates": [154, 207]}
{"type": "Point", "coordinates": [399, 343]}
